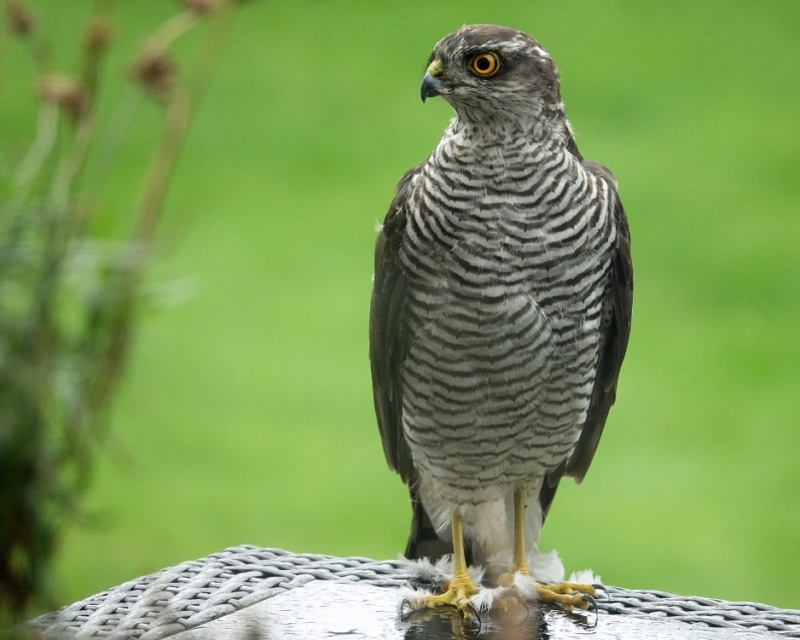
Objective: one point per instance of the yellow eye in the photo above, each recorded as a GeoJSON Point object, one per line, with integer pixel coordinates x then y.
{"type": "Point", "coordinates": [484, 64]}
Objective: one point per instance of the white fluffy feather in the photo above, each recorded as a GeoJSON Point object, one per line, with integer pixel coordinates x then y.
{"type": "Point", "coordinates": [585, 576]}
{"type": "Point", "coordinates": [546, 567]}
{"type": "Point", "coordinates": [439, 571]}
{"type": "Point", "coordinates": [485, 598]}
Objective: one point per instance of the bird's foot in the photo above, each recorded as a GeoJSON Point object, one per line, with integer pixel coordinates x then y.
{"type": "Point", "coordinates": [457, 595]}
{"type": "Point", "coordinates": [569, 595]}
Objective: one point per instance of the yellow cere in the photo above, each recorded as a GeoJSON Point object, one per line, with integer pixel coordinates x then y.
{"type": "Point", "coordinates": [435, 68]}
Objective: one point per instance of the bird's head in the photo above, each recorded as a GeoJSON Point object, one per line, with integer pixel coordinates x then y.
{"type": "Point", "coordinates": [489, 73]}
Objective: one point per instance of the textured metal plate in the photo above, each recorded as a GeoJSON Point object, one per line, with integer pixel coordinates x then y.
{"type": "Point", "coordinates": [361, 612]}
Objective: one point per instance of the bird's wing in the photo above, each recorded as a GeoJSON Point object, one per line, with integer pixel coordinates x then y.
{"type": "Point", "coordinates": [387, 337]}
{"type": "Point", "coordinates": [387, 342]}
{"type": "Point", "coordinates": [615, 331]}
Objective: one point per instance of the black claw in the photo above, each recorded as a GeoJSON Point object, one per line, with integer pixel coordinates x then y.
{"type": "Point", "coordinates": [404, 614]}
{"type": "Point", "coordinates": [602, 587]}
{"type": "Point", "coordinates": [474, 627]}
{"type": "Point", "coordinates": [592, 602]}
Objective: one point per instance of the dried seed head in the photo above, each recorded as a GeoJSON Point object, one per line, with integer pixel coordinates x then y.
{"type": "Point", "coordinates": [67, 93]}
{"type": "Point", "coordinates": [98, 36]}
{"type": "Point", "coordinates": [21, 20]}
{"type": "Point", "coordinates": [155, 71]}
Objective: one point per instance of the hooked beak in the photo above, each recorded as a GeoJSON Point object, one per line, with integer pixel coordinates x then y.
{"type": "Point", "coordinates": [432, 85]}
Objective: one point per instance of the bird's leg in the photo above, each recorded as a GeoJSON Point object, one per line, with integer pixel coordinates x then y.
{"type": "Point", "coordinates": [520, 560]}
{"type": "Point", "coordinates": [569, 595]}
{"type": "Point", "coordinates": [460, 588]}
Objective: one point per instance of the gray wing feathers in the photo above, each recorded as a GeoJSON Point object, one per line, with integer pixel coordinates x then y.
{"type": "Point", "coordinates": [387, 333]}
{"type": "Point", "coordinates": [615, 330]}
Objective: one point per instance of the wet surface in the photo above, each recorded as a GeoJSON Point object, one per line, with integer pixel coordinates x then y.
{"type": "Point", "coordinates": [327, 609]}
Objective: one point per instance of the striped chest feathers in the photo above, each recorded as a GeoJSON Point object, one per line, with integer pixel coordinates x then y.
{"type": "Point", "coordinates": [507, 219]}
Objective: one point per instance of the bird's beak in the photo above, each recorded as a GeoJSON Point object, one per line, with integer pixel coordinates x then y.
{"type": "Point", "coordinates": [432, 84]}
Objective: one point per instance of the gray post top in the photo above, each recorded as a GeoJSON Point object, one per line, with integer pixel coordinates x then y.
{"type": "Point", "coordinates": [252, 592]}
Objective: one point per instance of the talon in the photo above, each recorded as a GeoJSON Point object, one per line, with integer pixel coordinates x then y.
{"type": "Point", "coordinates": [601, 587]}
{"type": "Point", "coordinates": [596, 616]}
{"type": "Point", "coordinates": [404, 614]}
{"type": "Point", "coordinates": [473, 621]}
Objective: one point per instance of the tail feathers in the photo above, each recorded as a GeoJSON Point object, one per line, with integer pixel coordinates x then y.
{"type": "Point", "coordinates": [423, 541]}
{"type": "Point", "coordinates": [547, 493]}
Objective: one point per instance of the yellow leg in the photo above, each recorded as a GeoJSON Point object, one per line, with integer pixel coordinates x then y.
{"type": "Point", "coordinates": [460, 588]}
{"type": "Point", "coordinates": [568, 595]}
{"type": "Point", "coordinates": [520, 561]}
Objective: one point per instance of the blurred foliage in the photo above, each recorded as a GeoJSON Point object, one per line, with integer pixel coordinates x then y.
{"type": "Point", "coordinates": [68, 295]}
{"type": "Point", "coordinates": [247, 413]}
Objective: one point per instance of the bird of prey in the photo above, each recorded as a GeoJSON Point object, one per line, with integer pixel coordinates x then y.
{"type": "Point", "coordinates": [500, 312]}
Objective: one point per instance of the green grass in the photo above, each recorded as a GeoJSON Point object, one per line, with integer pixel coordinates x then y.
{"type": "Point", "coordinates": [247, 413]}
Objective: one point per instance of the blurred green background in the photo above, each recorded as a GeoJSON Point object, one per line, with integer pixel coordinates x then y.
{"type": "Point", "coordinates": [247, 414]}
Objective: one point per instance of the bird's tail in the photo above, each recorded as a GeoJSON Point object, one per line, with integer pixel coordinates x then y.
{"type": "Point", "coordinates": [423, 541]}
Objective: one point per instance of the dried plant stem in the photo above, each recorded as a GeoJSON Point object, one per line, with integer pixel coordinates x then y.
{"type": "Point", "coordinates": [108, 148]}
{"type": "Point", "coordinates": [179, 113]}
{"type": "Point", "coordinates": [210, 53]}
{"type": "Point", "coordinates": [71, 164]}
{"type": "Point", "coordinates": [96, 42]}
{"type": "Point", "coordinates": [39, 151]}
{"type": "Point", "coordinates": [171, 30]}
{"type": "Point", "coordinates": [160, 170]}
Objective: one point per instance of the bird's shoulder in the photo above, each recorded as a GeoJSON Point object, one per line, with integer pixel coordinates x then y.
{"type": "Point", "coordinates": [602, 172]}
{"type": "Point", "coordinates": [393, 226]}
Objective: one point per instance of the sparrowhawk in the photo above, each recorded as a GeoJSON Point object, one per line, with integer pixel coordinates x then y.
{"type": "Point", "coordinates": [500, 312]}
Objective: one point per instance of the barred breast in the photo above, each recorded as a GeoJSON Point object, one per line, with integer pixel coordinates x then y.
{"type": "Point", "coordinates": [507, 249]}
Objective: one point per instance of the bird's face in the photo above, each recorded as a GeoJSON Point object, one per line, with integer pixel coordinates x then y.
{"type": "Point", "coordinates": [487, 72]}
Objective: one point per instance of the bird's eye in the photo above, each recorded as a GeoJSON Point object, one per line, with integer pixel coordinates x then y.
{"type": "Point", "coordinates": [484, 64]}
